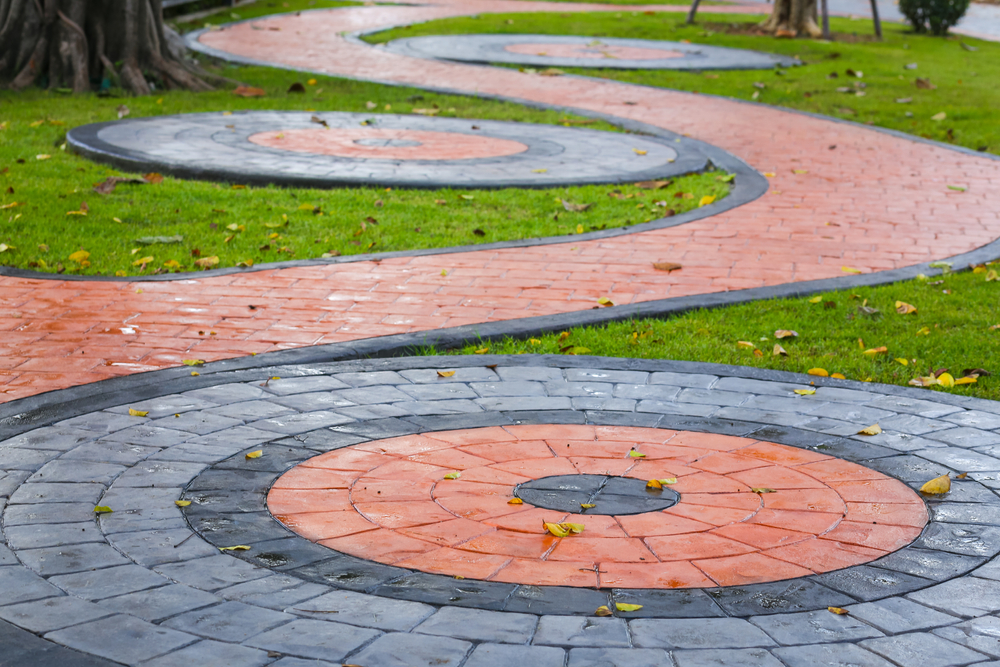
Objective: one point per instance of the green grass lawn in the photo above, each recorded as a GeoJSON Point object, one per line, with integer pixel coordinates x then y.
{"type": "Point", "coordinates": [956, 326]}
{"type": "Point", "coordinates": [265, 224]}
{"type": "Point", "coordinates": [965, 81]}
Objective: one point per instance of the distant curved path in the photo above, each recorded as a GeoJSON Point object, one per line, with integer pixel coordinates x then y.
{"type": "Point", "coordinates": [876, 202]}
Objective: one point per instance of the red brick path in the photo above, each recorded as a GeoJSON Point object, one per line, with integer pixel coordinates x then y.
{"type": "Point", "coordinates": [874, 202]}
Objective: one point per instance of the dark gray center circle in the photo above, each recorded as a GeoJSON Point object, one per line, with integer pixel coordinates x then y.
{"type": "Point", "coordinates": [609, 495]}
{"type": "Point", "coordinates": [387, 143]}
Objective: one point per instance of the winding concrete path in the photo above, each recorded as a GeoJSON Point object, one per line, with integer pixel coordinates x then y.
{"type": "Point", "coordinates": [841, 195]}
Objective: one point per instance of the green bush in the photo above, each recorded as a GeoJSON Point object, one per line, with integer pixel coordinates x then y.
{"type": "Point", "coordinates": [934, 16]}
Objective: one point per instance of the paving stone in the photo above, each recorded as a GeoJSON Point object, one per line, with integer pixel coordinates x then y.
{"type": "Point", "coordinates": [51, 534]}
{"type": "Point", "coordinates": [554, 600]}
{"type": "Point", "coordinates": [22, 585]}
{"type": "Point", "coordinates": [480, 625]}
{"type": "Point", "coordinates": [211, 573]}
{"type": "Point", "coordinates": [914, 406]}
{"type": "Point", "coordinates": [934, 565]}
{"type": "Point", "coordinates": [979, 634]}
{"type": "Point", "coordinates": [777, 598]}
{"type": "Point", "coordinates": [14, 458]}
{"type": "Point", "coordinates": [71, 558]}
{"type": "Point", "coordinates": [278, 591]}
{"type": "Point", "coordinates": [108, 451]}
{"type": "Point", "coordinates": [247, 435]}
{"type": "Point", "coordinates": [961, 538]}
{"type": "Point", "coordinates": [147, 435]}
{"type": "Point", "coordinates": [44, 492]}
{"type": "Point", "coordinates": [983, 421]}
{"type": "Point", "coordinates": [505, 655]}
{"type": "Point", "coordinates": [830, 655]}
{"type": "Point", "coordinates": [198, 422]}
{"type": "Point", "coordinates": [864, 582]}
{"type": "Point", "coordinates": [747, 657]}
{"type": "Point", "coordinates": [375, 395]}
{"type": "Point", "coordinates": [977, 513]}
{"type": "Point", "coordinates": [961, 460]}
{"type": "Point", "coordinates": [301, 385]}
{"type": "Point", "coordinates": [577, 631]}
{"type": "Point", "coordinates": [368, 378]}
{"type": "Point", "coordinates": [406, 650]}
{"type": "Point", "coordinates": [492, 389]}
{"type": "Point", "coordinates": [156, 604]}
{"type": "Point", "coordinates": [901, 442]}
{"type": "Point", "coordinates": [437, 407]}
{"type": "Point", "coordinates": [687, 409]}
{"type": "Point", "coordinates": [159, 473]}
{"type": "Point", "coordinates": [751, 386]}
{"type": "Point", "coordinates": [965, 491]}
{"type": "Point", "coordinates": [515, 403]}
{"type": "Point", "coordinates": [922, 649]}
{"type": "Point", "coordinates": [912, 424]}
{"type": "Point", "coordinates": [166, 406]}
{"type": "Point", "coordinates": [712, 397]}
{"type": "Point", "coordinates": [697, 633]}
{"type": "Point", "coordinates": [765, 416]}
{"type": "Point", "coordinates": [231, 392]}
{"type": "Point", "coordinates": [77, 471]}
{"type": "Point", "coordinates": [964, 436]}
{"type": "Point", "coordinates": [896, 615]}
{"type": "Point", "coordinates": [781, 404]}
{"type": "Point", "coordinates": [364, 413]}
{"type": "Point", "coordinates": [7, 556]}
{"type": "Point", "coordinates": [834, 427]}
{"type": "Point", "coordinates": [813, 627]}
{"type": "Point", "coordinates": [229, 622]}
{"type": "Point", "coordinates": [611, 657]}
{"type": "Point", "coordinates": [155, 547]}
{"type": "Point", "coordinates": [121, 638]}
{"type": "Point", "coordinates": [43, 616]}
{"type": "Point", "coordinates": [373, 611]}
{"type": "Point", "coordinates": [307, 638]}
{"type": "Point", "coordinates": [10, 480]}
{"type": "Point", "coordinates": [419, 587]}
{"type": "Point", "coordinates": [604, 375]}
{"type": "Point", "coordinates": [197, 452]}
{"type": "Point", "coordinates": [55, 438]}
{"type": "Point", "coordinates": [301, 662]}
{"type": "Point", "coordinates": [438, 392]}
{"type": "Point", "coordinates": [313, 401]}
{"type": "Point", "coordinates": [696, 380]}
{"type": "Point", "coordinates": [618, 404]}
{"type": "Point", "coordinates": [907, 468]}
{"type": "Point", "coordinates": [212, 654]}
{"type": "Point", "coordinates": [379, 428]}
{"type": "Point", "coordinates": [108, 582]}
{"type": "Point", "coordinates": [19, 515]}
{"type": "Point", "coordinates": [845, 448]}
{"type": "Point", "coordinates": [582, 389]}
{"type": "Point", "coordinates": [301, 422]}
{"type": "Point", "coordinates": [249, 411]}
{"type": "Point", "coordinates": [527, 373]}
{"type": "Point", "coordinates": [657, 392]}
{"type": "Point", "coordinates": [100, 422]}
{"type": "Point", "coordinates": [965, 596]}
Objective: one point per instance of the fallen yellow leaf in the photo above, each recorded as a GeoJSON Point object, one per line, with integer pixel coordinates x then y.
{"type": "Point", "coordinates": [515, 501]}
{"type": "Point", "coordinates": [924, 331]}
{"type": "Point", "coordinates": [785, 333]}
{"type": "Point", "coordinates": [575, 528]}
{"type": "Point", "coordinates": [966, 380]}
{"type": "Point", "coordinates": [840, 611]}
{"type": "Point", "coordinates": [79, 256]}
{"type": "Point", "coordinates": [602, 611]}
{"type": "Point", "coordinates": [816, 299]}
{"type": "Point", "coordinates": [238, 547]}
{"type": "Point", "coordinates": [193, 362]}
{"type": "Point", "coordinates": [555, 529]}
{"type": "Point", "coordinates": [668, 480]}
{"type": "Point", "coordinates": [874, 429]}
{"type": "Point", "coordinates": [937, 486]}
{"type": "Point", "coordinates": [103, 509]}
{"type": "Point", "coordinates": [705, 201]}
{"type": "Point", "coordinates": [839, 376]}
{"type": "Point", "coordinates": [255, 455]}
{"type": "Point", "coordinates": [745, 344]}
{"type": "Point", "coordinates": [779, 351]}
{"type": "Point", "coordinates": [182, 503]}
{"type": "Point", "coordinates": [137, 413]}
{"type": "Point", "coordinates": [904, 308]}
{"type": "Point", "coordinates": [605, 301]}
{"type": "Point", "coordinates": [654, 484]}
{"type": "Point", "coordinates": [206, 262]}
{"type": "Point", "coordinates": [587, 506]}
{"type": "Point", "coordinates": [623, 606]}
{"type": "Point", "coordinates": [805, 392]}
{"type": "Point", "coordinates": [875, 350]}
{"type": "Point", "coordinates": [946, 380]}
{"type": "Point", "coordinates": [848, 269]}
{"type": "Point", "coordinates": [453, 475]}
{"type": "Point", "coordinates": [482, 350]}
{"type": "Point", "coordinates": [636, 455]}
{"type": "Point", "coordinates": [758, 353]}
{"type": "Point", "coordinates": [639, 152]}
{"type": "Point", "coordinates": [904, 362]}
{"type": "Point", "coordinates": [445, 374]}
{"type": "Point", "coordinates": [818, 372]}
{"type": "Point", "coordinates": [762, 490]}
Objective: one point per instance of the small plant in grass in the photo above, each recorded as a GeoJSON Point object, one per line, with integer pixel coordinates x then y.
{"type": "Point", "coordinates": [933, 16]}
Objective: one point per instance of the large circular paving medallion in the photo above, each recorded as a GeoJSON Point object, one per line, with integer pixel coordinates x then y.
{"type": "Point", "coordinates": [746, 511]}
{"type": "Point", "coordinates": [328, 149]}
{"type": "Point", "coordinates": [580, 51]}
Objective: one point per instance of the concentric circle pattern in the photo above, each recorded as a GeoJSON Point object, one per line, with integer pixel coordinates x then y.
{"type": "Point", "coordinates": [606, 495]}
{"type": "Point", "coordinates": [576, 51]}
{"type": "Point", "coordinates": [750, 511]}
{"type": "Point", "coordinates": [329, 149]}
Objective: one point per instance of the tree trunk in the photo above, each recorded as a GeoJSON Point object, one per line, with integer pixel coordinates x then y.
{"type": "Point", "coordinates": [791, 18]}
{"type": "Point", "coordinates": [77, 43]}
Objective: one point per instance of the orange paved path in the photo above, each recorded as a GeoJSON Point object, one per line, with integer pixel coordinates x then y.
{"type": "Point", "coordinates": [390, 501]}
{"type": "Point", "coordinates": [874, 202]}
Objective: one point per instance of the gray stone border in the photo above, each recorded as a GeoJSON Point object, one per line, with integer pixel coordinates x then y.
{"type": "Point", "coordinates": [214, 147]}
{"type": "Point", "coordinates": [487, 48]}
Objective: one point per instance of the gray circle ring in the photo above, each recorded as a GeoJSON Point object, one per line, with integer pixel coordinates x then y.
{"type": "Point", "coordinates": [606, 495]}
{"type": "Point", "coordinates": [213, 146]}
{"type": "Point", "coordinates": [494, 49]}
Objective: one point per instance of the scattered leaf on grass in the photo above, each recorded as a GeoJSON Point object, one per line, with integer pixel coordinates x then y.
{"type": "Point", "coordinates": [969, 379]}
{"type": "Point", "coordinates": [805, 392]}
{"type": "Point", "coordinates": [871, 352]}
{"type": "Point", "coordinates": [924, 331]}
{"type": "Point", "coordinates": [445, 374]}
{"type": "Point", "coordinates": [745, 344]}
{"type": "Point", "coordinates": [904, 308]}
{"type": "Point", "coordinates": [482, 350]}
{"type": "Point", "coordinates": [142, 260]}
{"type": "Point", "coordinates": [79, 256]}
{"type": "Point", "coordinates": [182, 503]}
{"type": "Point", "coordinates": [453, 475]}
{"type": "Point", "coordinates": [238, 547]}
{"type": "Point", "coordinates": [515, 501]}
{"type": "Point", "coordinates": [576, 208]}
{"type": "Point", "coordinates": [939, 116]}
{"type": "Point", "coordinates": [816, 299]}
{"type": "Point", "coordinates": [153, 240]}
{"type": "Point", "coordinates": [874, 429]}
{"type": "Point", "coordinates": [624, 606]}
{"type": "Point", "coordinates": [653, 185]}
{"type": "Point", "coordinates": [137, 413]}
{"type": "Point", "coordinates": [706, 200]}
{"type": "Point", "coordinates": [602, 611]}
{"type": "Point", "coordinates": [839, 376]}
{"type": "Point", "coordinates": [779, 351]}
{"type": "Point", "coordinates": [207, 262]}
{"type": "Point", "coordinates": [255, 455]}
{"type": "Point", "coordinates": [818, 372]}
{"type": "Point", "coordinates": [902, 362]}
{"type": "Point", "coordinates": [937, 486]}
{"type": "Point", "coordinates": [785, 333]}
{"type": "Point", "coordinates": [249, 91]}
{"type": "Point", "coordinates": [103, 509]}
{"type": "Point", "coordinates": [946, 380]}
{"type": "Point", "coordinates": [840, 611]}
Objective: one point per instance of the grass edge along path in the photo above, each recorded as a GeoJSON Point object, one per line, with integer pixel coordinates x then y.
{"type": "Point", "coordinates": [936, 88]}
{"type": "Point", "coordinates": [892, 334]}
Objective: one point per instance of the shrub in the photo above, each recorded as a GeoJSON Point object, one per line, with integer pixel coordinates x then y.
{"type": "Point", "coordinates": [934, 16]}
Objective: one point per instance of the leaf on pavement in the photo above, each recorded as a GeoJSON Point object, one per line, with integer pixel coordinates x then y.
{"type": "Point", "coordinates": [445, 374]}
{"type": "Point", "coordinates": [238, 547]}
{"type": "Point", "coordinates": [602, 611]}
{"type": "Point", "coordinates": [840, 611]}
{"type": "Point", "coordinates": [137, 413]}
{"type": "Point", "coordinates": [762, 490]}
{"type": "Point", "coordinates": [193, 362]}
{"type": "Point", "coordinates": [103, 509]}
{"type": "Point", "coordinates": [605, 301]}
{"type": "Point", "coordinates": [624, 606]}
{"type": "Point", "coordinates": [453, 475]}
{"type": "Point", "coordinates": [666, 266]}
{"type": "Point", "coordinates": [254, 455]}
{"type": "Point", "coordinates": [515, 501]}
{"type": "Point", "coordinates": [937, 486]}
{"type": "Point", "coordinates": [805, 392]}
{"type": "Point", "coordinates": [849, 269]}
{"type": "Point", "coordinates": [182, 503]}
{"type": "Point", "coordinates": [874, 429]}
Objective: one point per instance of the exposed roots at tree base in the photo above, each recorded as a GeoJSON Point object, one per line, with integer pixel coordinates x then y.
{"type": "Point", "coordinates": [77, 43]}
{"type": "Point", "coordinates": [792, 18]}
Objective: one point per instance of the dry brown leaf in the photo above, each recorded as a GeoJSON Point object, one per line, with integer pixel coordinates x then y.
{"type": "Point", "coordinates": [874, 429]}
{"type": "Point", "coordinates": [840, 611]}
{"type": "Point", "coordinates": [904, 308]}
{"type": "Point", "coordinates": [653, 185]}
{"type": "Point", "coordinates": [785, 333]}
{"type": "Point", "coordinates": [666, 266]}
{"type": "Point", "coordinates": [249, 91]}
{"type": "Point", "coordinates": [779, 351]}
